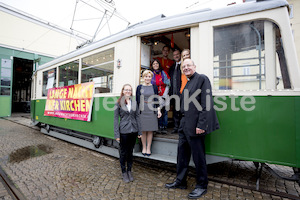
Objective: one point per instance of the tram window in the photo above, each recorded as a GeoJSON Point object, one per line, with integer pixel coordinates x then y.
{"type": "Point", "coordinates": [49, 80]}
{"type": "Point", "coordinates": [239, 57]}
{"type": "Point", "coordinates": [99, 68]}
{"type": "Point", "coordinates": [68, 74]}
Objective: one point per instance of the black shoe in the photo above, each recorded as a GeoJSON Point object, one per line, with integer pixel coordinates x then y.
{"type": "Point", "coordinates": [125, 177]}
{"type": "Point", "coordinates": [197, 193]}
{"type": "Point", "coordinates": [164, 131]}
{"type": "Point", "coordinates": [130, 177]}
{"type": "Point", "coordinates": [174, 131]}
{"type": "Point", "coordinates": [175, 185]}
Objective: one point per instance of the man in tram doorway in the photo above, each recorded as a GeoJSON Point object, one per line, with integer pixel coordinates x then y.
{"type": "Point", "coordinates": [165, 62]}
{"type": "Point", "coordinates": [198, 118]}
{"type": "Point", "coordinates": [175, 75]}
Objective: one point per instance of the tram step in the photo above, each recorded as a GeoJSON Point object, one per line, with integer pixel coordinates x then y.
{"type": "Point", "coordinates": [159, 157]}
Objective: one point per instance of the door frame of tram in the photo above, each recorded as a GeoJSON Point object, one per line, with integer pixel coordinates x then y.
{"type": "Point", "coordinates": [193, 45]}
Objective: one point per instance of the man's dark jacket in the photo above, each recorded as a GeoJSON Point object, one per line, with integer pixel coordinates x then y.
{"type": "Point", "coordinates": [192, 117]}
{"type": "Point", "coordinates": [178, 79]}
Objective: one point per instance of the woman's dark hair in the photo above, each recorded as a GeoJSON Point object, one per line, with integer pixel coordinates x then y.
{"type": "Point", "coordinates": [122, 98]}
{"type": "Point", "coordinates": [151, 66]}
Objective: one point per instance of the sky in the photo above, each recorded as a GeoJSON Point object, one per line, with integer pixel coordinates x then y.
{"type": "Point", "coordinates": [89, 13]}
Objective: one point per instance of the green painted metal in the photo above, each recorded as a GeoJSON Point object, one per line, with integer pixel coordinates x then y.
{"type": "Point", "coordinates": [101, 123]}
{"type": "Point", "coordinates": [297, 122]}
{"type": "Point", "coordinates": [37, 58]}
{"type": "Point", "coordinates": [270, 133]}
{"type": "Point", "coordinates": [25, 55]}
{"type": "Point", "coordinates": [32, 110]}
{"type": "Point", "coordinates": [266, 134]}
{"type": "Point", "coordinates": [5, 102]}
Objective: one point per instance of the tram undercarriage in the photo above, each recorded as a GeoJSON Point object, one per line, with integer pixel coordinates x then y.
{"type": "Point", "coordinates": [164, 148]}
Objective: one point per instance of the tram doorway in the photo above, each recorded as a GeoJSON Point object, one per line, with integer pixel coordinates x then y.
{"type": "Point", "coordinates": [21, 91]}
{"type": "Point", "coordinates": [152, 48]}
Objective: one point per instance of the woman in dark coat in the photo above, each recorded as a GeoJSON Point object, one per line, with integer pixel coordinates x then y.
{"type": "Point", "coordinates": [126, 130]}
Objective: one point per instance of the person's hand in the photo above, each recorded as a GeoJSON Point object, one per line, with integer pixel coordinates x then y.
{"type": "Point", "coordinates": [139, 136]}
{"type": "Point", "coordinates": [118, 139]}
{"type": "Point", "coordinates": [158, 114]}
{"type": "Point", "coordinates": [199, 131]}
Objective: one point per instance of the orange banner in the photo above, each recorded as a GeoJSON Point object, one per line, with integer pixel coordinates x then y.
{"type": "Point", "coordinates": [71, 102]}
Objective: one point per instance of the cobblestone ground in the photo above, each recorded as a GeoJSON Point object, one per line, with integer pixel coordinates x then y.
{"type": "Point", "coordinates": [4, 195]}
{"type": "Point", "coordinates": [242, 172]}
{"type": "Point", "coordinates": [72, 172]}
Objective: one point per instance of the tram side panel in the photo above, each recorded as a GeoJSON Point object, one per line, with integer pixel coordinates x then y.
{"type": "Point", "coordinates": [269, 134]}
{"type": "Point", "coordinates": [100, 125]}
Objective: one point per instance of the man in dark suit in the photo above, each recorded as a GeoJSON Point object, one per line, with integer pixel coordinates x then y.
{"type": "Point", "coordinates": [175, 75]}
{"type": "Point", "coordinates": [198, 119]}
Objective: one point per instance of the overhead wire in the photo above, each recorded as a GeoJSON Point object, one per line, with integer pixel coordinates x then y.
{"type": "Point", "coordinates": [53, 27]}
{"type": "Point", "coordinates": [76, 33]}
{"type": "Point", "coordinates": [105, 23]}
{"type": "Point", "coordinates": [108, 11]}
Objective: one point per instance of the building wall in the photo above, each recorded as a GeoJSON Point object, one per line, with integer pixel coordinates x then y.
{"type": "Point", "coordinates": [30, 36]}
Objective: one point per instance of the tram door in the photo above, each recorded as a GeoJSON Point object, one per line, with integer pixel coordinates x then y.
{"type": "Point", "coordinates": [152, 46]}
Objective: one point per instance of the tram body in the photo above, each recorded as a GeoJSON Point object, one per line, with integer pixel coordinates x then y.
{"type": "Point", "coordinates": [246, 50]}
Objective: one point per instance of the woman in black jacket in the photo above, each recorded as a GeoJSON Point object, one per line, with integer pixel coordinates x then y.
{"type": "Point", "coordinates": [127, 129]}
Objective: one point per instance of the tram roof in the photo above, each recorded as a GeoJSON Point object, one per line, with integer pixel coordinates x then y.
{"type": "Point", "coordinates": [161, 23]}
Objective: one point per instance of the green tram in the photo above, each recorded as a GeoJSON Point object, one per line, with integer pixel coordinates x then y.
{"type": "Point", "coordinates": [246, 50]}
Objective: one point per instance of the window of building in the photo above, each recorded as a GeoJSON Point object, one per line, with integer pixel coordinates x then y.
{"type": "Point", "coordinates": [5, 77]}
{"type": "Point", "coordinates": [99, 68]}
{"type": "Point", "coordinates": [49, 80]}
{"type": "Point", "coordinates": [68, 74]}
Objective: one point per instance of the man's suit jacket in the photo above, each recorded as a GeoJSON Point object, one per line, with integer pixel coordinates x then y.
{"type": "Point", "coordinates": [204, 118]}
{"type": "Point", "coordinates": [178, 79]}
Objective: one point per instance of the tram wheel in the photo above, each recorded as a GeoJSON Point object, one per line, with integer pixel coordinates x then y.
{"type": "Point", "coordinates": [97, 141]}
{"type": "Point", "coordinates": [47, 127]}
